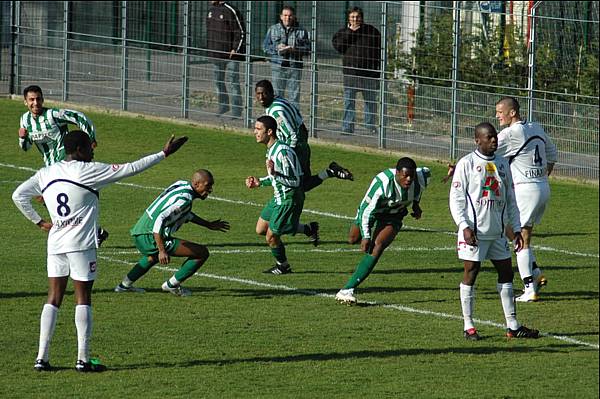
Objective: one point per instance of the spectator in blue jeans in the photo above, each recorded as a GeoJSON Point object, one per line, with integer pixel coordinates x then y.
{"type": "Point", "coordinates": [360, 46]}
{"type": "Point", "coordinates": [287, 42]}
{"type": "Point", "coordinates": [225, 40]}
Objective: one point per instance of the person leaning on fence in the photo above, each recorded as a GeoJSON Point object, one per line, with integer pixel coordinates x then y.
{"type": "Point", "coordinates": [360, 45]}
{"type": "Point", "coordinates": [225, 40]}
{"type": "Point", "coordinates": [287, 42]}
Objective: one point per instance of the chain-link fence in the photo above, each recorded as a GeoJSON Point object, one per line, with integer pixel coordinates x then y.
{"type": "Point", "coordinates": [442, 67]}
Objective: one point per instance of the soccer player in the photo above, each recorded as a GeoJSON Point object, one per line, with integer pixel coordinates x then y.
{"type": "Point", "coordinates": [380, 214]}
{"type": "Point", "coordinates": [70, 190]}
{"type": "Point", "coordinates": [482, 202]}
{"type": "Point", "coordinates": [153, 233]}
{"type": "Point", "coordinates": [281, 215]}
{"type": "Point", "coordinates": [531, 155]}
{"type": "Point", "coordinates": [292, 131]}
{"type": "Point", "coordinates": [46, 128]}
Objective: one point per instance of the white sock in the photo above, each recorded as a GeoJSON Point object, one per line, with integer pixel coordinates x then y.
{"type": "Point", "coordinates": [467, 301]}
{"type": "Point", "coordinates": [47, 324]}
{"type": "Point", "coordinates": [174, 282]}
{"type": "Point", "coordinates": [83, 323]}
{"type": "Point", "coordinates": [300, 228]}
{"type": "Point", "coordinates": [323, 174]}
{"type": "Point", "coordinates": [508, 305]}
{"type": "Point", "coordinates": [524, 263]}
{"type": "Point", "coordinates": [126, 282]}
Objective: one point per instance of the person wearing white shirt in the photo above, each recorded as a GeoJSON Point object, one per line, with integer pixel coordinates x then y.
{"type": "Point", "coordinates": [482, 202]}
{"type": "Point", "coordinates": [70, 189]}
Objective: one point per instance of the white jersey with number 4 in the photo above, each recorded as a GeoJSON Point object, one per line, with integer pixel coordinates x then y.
{"type": "Point", "coordinates": [528, 150]}
{"type": "Point", "coordinates": [70, 191]}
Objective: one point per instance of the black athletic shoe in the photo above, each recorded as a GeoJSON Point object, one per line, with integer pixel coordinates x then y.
{"type": "Point", "coordinates": [471, 335]}
{"type": "Point", "coordinates": [313, 237]}
{"type": "Point", "coordinates": [89, 367]}
{"type": "Point", "coordinates": [340, 172]}
{"type": "Point", "coordinates": [279, 269]}
{"type": "Point", "coordinates": [102, 236]}
{"type": "Point", "coordinates": [522, 332]}
{"type": "Point", "coordinates": [41, 365]}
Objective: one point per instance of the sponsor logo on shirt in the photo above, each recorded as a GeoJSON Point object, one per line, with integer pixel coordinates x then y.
{"type": "Point", "coordinates": [115, 167]}
{"type": "Point", "coordinates": [59, 224]}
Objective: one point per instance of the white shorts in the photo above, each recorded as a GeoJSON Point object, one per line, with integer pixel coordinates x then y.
{"type": "Point", "coordinates": [486, 249]}
{"type": "Point", "coordinates": [531, 201]}
{"type": "Point", "coordinates": [80, 265]}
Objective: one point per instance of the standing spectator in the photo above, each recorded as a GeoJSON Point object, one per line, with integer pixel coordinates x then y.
{"type": "Point", "coordinates": [47, 127]}
{"type": "Point", "coordinates": [287, 42]}
{"type": "Point", "coordinates": [531, 155]}
{"type": "Point", "coordinates": [379, 217]}
{"type": "Point", "coordinates": [360, 45]}
{"type": "Point", "coordinates": [71, 190]}
{"type": "Point", "coordinates": [225, 38]}
{"type": "Point", "coordinates": [482, 202]}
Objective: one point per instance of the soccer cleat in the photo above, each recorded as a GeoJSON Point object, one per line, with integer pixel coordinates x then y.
{"type": "Point", "coordinates": [471, 335]}
{"type": "Point", "coordinates": [179, 290]}
{"type": "Point", "coordinates": [89, 367]}
{"type": "Point", "coordinates": [340, 172]}
{"type": "Point", "coordinates": [530, 295]}
{"type": "Point", "coordinates": [102, 236]}
{"type": "Point", "coordinates": [346, 296]}
{"type": "Point", "coordinates": [314, 233]}
{"type": "Point", "coordinates": [279, 269]}
{"type": "Point", "coordinates": [540, 280]}
{"type": "Point", "coordinates": [41, 365]}
{"type": "Point", "coordinates": [522, 332]}
{"type": "Point", "coordinates": [121, 288]}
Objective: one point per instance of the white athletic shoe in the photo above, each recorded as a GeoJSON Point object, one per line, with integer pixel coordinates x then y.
{"type": "Point", "coordinates": [530, 295]}
{"type": "Point", "coordinates": [121, 288]}
{"type": "Point", "coordinates": [346, 296]}
{"type": "Point", "coordinates": [179, 290]}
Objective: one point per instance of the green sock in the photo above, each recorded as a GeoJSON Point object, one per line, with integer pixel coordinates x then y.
{"type": "Point", "coordinates": [188, 268]}
{"type": "Point", "coordinates": [366, 264]}
{"type": "Point", "coordinates": [140, 269]}
{"type": "Point", "coordinates": [279, 254]}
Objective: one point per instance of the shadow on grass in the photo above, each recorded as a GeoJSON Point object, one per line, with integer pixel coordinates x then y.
{"type": "Point", "coordinates": [354, 355]}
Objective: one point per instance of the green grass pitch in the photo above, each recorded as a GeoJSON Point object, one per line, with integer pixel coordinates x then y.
{"type": "Point", "coordinates": [247, 334]}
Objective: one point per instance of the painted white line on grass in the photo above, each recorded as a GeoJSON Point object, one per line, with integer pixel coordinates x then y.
{"type": "Point", "coordinates": [329, 214]}
{"type": "Point", "coordinates": [401, 308]}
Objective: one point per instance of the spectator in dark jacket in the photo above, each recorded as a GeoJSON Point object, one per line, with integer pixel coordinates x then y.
{"type": "Point", "coordinates": [360, 45]}
{"type": "Point", "coordinates": [226, 41]}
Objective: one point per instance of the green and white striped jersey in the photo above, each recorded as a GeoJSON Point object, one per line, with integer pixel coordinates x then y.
{"type": "Point", "coordinates": [168, 212]}
{"type": "Point", "coordinates": [286, 178]}
{"type": "Point", "coordinates": [289, 121]}
{"type": "Point", "coordinates": [48, 130]}
{"type": "Point", "coordinates": [385, 197]}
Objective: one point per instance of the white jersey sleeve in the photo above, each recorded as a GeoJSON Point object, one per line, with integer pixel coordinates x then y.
{"type": "Point", "coordinates": [23, 195]}
{"type": "Point", "coordinates": [459, 198]}
{"type": "Point", "coordinates": [104, 174]}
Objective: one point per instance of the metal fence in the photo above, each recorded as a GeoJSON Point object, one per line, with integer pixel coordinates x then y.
{"type": "Point", "coordinates": [444, 65]}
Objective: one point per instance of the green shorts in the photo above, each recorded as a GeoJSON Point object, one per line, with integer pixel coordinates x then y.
{"type": "Point", "coordinates": [146, 244]}
{"type": "Point", "coordinates": [284, 218]}
{"type": "Point", "coordinates": [380, 221]}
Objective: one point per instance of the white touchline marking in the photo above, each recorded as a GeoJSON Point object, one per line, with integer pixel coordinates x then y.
{"type": "Point", "coordinates": [401, 308]}
{"type": "Point", "coordinates": [329, 214]}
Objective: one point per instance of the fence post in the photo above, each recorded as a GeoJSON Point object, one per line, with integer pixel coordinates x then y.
{"type": "Point", "coordinates": [247, 65]}
{"type": "Point", "coordinates": [15, 52]}
{"type": "Point", "coordinates": [455, 66]}
{"type": "Point", "coordinates": [531, 63]}
{"type": "Point", "coordinates": [313, 70]}
{"type": "Point", "coordinates": [185, 83]}
{"type": "Point", "coordinates": [383, 66]}
{"type": "Point", "coordinates": [124, 56]}
{"type": "Point", "coordinates": [65, 80]}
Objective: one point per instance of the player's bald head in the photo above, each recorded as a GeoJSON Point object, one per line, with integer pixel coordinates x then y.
{"type": "Point", "coordinates": [202, 175]}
